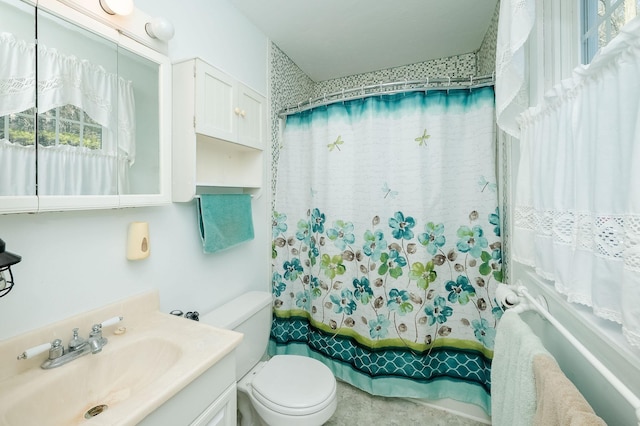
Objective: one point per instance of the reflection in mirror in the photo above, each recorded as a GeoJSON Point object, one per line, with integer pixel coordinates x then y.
{"type": "Point", "coordinates": [81, 117]}
{"type": "Point", "coordinates": [144, 172]}
{"type": "Point", "coordinates": [17, 99]}
{"type": "Point", "coordinates": [81, 120]}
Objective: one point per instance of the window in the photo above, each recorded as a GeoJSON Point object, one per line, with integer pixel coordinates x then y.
{"type": "Point", "coordinates": [602, 20]}
{"type": "Point", "coordinates": [69, 125]}
{"type": "Point", "coordinates": [19, 127]}
{"type": "Point", "coordinates": [66, 125]}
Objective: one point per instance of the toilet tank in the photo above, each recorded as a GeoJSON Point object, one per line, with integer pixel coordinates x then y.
{"type": "Point", "coordinates": [249, 314]}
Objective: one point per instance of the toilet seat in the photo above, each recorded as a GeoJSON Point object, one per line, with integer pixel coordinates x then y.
{"type": "Point", "coordinates": [294, 385]}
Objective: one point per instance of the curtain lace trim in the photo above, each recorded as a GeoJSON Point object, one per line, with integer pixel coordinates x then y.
{"type": "Point", "coordinates": [615, 237]}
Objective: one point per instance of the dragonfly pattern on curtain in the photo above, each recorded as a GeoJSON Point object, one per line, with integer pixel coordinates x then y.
{"type": "Point", "coordinates": [386, 243]}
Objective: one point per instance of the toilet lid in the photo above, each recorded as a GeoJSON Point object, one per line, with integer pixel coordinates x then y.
{"type": "Point", "coordinates": [294, 385]}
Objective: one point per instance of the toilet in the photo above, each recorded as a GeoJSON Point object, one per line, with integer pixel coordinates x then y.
{"type": "Point", "coordinates": [286, 390]}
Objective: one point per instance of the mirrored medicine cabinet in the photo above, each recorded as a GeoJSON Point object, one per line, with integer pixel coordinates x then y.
{"type": "Point", "coordinates": [85, 113]}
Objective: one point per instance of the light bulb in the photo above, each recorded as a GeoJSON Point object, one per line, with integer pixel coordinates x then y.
{"type": "Point", "coordinates": [160, 28]}
{"type": "Point", "coordinates": [117, 7]}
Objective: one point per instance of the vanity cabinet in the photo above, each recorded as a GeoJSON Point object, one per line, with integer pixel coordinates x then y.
{"type": "Point", "coordinates": [219, 132]}
{"type": "Point", "coordinates": [221, 412]}
{"type": "Point", "coordinates": [209, 400]}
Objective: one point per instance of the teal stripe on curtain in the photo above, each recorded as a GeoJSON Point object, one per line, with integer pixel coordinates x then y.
{"type": "Point", "coordinates": [397, 371]}
{"type": "Point", "coordinates": [432, 101]}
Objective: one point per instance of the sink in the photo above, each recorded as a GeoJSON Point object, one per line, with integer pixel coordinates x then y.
{"type": "Point", "coordinates": [135, 374]}
{"type": "Point", "coordinates": [63, 398]}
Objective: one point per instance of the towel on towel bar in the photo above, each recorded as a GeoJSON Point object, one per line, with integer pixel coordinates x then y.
{"type": "Point", "coordinates": [513, 389]}
{"type": "Point", "coordinates": [225, 220]}
{"type": "Point", "coordinates": [558, 400]}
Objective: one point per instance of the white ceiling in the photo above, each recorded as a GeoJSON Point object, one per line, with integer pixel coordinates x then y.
{"type": "Point", "coordinates": [335, 38]}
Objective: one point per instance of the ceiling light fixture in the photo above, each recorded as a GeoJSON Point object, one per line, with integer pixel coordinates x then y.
{"type": "Point", "coordinates": [117, 7]}
{"type": "Point", "coordinates": [160, 28]}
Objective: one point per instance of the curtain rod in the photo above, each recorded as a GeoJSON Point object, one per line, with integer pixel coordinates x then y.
{"type": "Point", "coordinates": [390, 88]}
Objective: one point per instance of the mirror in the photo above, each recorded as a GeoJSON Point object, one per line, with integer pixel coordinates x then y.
{"type": "Point", "coordinates": [98, 137]}
{"type": "Point", "coordinates": [78, 103]}
{"type": "Point", "coordinates": [17, 102]}
{"type": "Point", "coordinates": [144, 174]}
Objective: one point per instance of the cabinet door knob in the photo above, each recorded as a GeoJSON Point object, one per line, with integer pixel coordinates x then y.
{"type": "Point", "coordinates": [236, 111]}
{"type": "Point", "coordinates": [243, 113]}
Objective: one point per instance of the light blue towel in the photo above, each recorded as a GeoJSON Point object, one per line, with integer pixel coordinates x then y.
{"type": "Point", "coordinates": [513, 386]}
{"type": "Point", "coordinates": [225, 220]}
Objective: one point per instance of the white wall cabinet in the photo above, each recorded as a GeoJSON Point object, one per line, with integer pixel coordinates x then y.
{"type": "Point", "coordinates": [219, 132]}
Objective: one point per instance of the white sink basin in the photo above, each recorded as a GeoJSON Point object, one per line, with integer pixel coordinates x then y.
{"type": "Point", "coordinates": [104, 379]}
{"type": "Point", "coordinates": [135, 373]}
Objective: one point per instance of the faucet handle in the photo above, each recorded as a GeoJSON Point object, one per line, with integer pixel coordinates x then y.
{"type": "Point", "coordinates": [96, 330]}
{"type": "Point", "coordinates": [111, 321]}
{"type": "Point", "coordinates": [36, 350]}
{"type": "Point", "coordinates": [56, 350]}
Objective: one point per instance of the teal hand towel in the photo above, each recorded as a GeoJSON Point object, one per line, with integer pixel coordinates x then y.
{"type": "Point", "coordinates": [225, 220]}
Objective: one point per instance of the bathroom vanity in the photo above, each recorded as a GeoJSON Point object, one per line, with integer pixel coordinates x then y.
{"type": "Point", "coordinates": [156, 369]}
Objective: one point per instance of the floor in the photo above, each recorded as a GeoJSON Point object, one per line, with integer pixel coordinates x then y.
{"type": "Point", "coordinates": [356, 408]}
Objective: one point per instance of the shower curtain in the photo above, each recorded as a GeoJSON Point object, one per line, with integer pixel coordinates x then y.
{"type": "Point", "coordinates": [386, 242]}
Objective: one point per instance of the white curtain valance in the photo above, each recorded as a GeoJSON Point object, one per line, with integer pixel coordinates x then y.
{"type": "Point", "coordinates": [577, 213]}
{"type": "Point", "coordinates": [66, 80]}
{"type": "Point", "coordinates": [512, 95]}
{"type": "Point", "coordinates": [17, 75]}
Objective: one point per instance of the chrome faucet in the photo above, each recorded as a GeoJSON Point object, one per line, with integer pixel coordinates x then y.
{"type": "Point", "coordinates": [77, 347]}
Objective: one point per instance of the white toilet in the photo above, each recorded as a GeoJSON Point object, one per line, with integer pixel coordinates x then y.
{"type": "Point", "coordinates": [286, 390]}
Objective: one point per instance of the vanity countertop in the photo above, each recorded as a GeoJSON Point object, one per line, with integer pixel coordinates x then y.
{"type": "Point", "coordinates": [150, 357]}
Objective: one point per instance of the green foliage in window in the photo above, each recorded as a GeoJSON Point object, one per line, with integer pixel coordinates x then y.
{"type": "Point", "coordinates": [48, 138]}
{"type": "Point", "coordinates": [22, 137]}
{"type": "Point", "coordinates": [53, 130]}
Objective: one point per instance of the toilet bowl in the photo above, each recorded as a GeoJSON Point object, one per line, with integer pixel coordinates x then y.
{"type": "Point", "coordinates": [286, 390]}
{"type": "Point", "coordinates": [289, 390]}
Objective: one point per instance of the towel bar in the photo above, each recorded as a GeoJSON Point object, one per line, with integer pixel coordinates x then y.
{"type": "Point", "coordinates": [255, 196]}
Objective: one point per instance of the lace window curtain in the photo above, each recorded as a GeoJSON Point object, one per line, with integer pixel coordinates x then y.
{"type": "Point", "coordinates": [62, 80]}
{"type": "Point", "coordinates": [577, 212]}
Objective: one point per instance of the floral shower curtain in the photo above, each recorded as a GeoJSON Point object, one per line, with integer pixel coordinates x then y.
{"type": "Point", "coordinates": [386, 242]}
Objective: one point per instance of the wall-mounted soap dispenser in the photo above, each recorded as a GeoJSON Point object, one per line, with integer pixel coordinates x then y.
{"type": "Point", "coordinates": [138, 241]}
